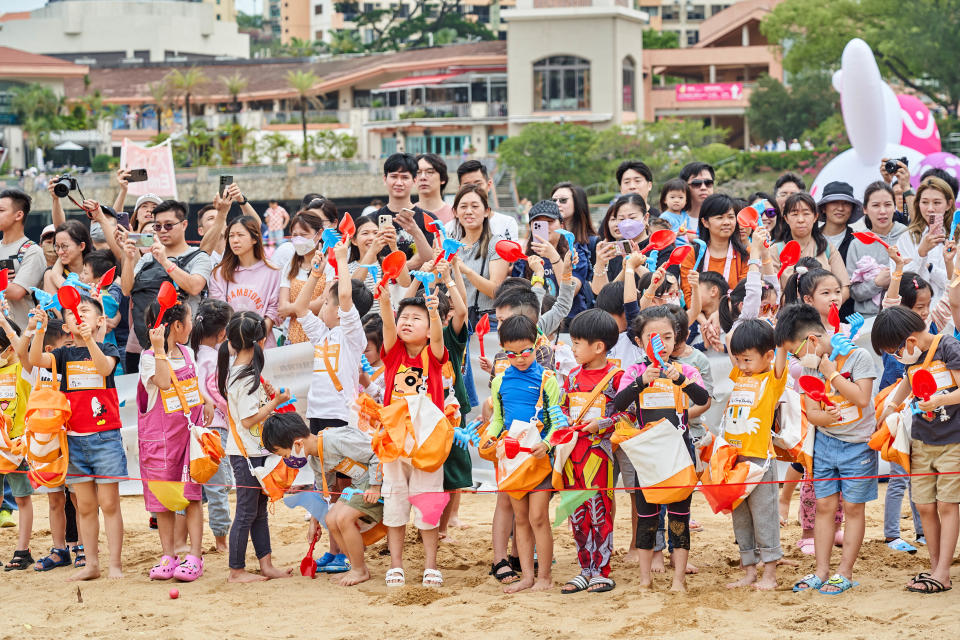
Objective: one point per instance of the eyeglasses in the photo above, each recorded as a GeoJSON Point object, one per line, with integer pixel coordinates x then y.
{"type": "Point", "coordinates": [518, 354]}
{"type": "Point", "coordinates": [165, 226]}
{"type": "Point", "coordinates": [61, 247]}
{"type": "Point", "coordinates": [429, 173]}
{"type": "Point", "coordinates": [561, 200]}
{"type": "Point", "coordinates": [701, 183]}
{"type": "Point", "coordinates": [316, 203]}
{"type": "Point", "coordinates": [769, 307]}
{"type": "Point", "coordinates": [770, 213]}
{"type": "Point", "coordinates": [796, 354]}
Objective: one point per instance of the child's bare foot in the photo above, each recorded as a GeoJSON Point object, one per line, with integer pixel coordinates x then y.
{"type": "Point", "coordinates": [115, 573]}
{"type": "Point", "coordinates": [691, 569]}
{"type": "Point", "coordinates": [239, 575]}
{"type": "Point", "coordinates": [646, 580]}
{"type": "Point", "coordinates": [221, 544]}
{"type": "Point", "coordinates": [787, 562]}
{"type": "Point", "coordinates": [765, 584]}
{"type": "Point", "coordinates": [352, 577]}
{"type": "Point", "coordinates": [89, 572]}
{"type": "Point", "coordinates": [678, 586]}
{"type": "Point", "coordinates": [542, 584]}
{"type": "Point", "coordinates": [632, 557]}
{"type": "Point", "coordinates": [525, 583]}
{"type": "Point", "coordinates": [272, 573]}
{"type": "Point", "coordinates": [657, 566]}
{"type": "Point", "coordinates": [745, 581]}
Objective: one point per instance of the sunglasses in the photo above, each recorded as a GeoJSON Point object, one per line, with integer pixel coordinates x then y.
{"type": "Point", "coordinates": [769, 307]}
{"type": "Point", "coordinates": [518, 354]}
{"type": "Point", "coordinates": [701, 183]}
{"type": "Point", "coordinates": [561, 200]}
{"type": "Point", "coordinates": [166, 226]}
{"type": "Point", "coordinates": [770, 213]}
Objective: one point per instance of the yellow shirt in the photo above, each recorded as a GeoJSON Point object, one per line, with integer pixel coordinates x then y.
{"type": "Point", "coordinates": [748, 420]}
{"type": "Point", "coordinates": [14, 391]}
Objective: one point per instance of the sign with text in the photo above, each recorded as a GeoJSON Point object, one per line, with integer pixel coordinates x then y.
{"type": "Point", "coordinates": [715, 91]}
{"type": "Point", "coordinates": [158, 161]}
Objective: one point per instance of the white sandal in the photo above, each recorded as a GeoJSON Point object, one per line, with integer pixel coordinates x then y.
{"type": "Point", "coordinates": [432, 578]}
{"type": "Point", "coordinates": [395, 578]}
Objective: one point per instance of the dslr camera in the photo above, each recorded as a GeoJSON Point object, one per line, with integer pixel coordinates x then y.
{"type": "Point", "coordinates": [891, 166]}
{"type": "Point", "coordinates": [63, 186]}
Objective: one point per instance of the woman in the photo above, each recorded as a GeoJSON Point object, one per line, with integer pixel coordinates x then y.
{"type": "Point", "coordinates": [838, 209]}
{"type": "Point", "coordinates": [552, 251]}
{"type": "Point", "coordinates": [575, 217]}
{"type": "Point", "coordinates": [800, 217]}
{"type": "Point", "coordinates": [72, 243]}
{"type": "Point", "coordinates": [305, 229]}
{"type": "Point", "coordinates": [609, 262]}
{"type": "Point", "coordinates": [243, 279]}
{"type": "Point", "coordinates": [770, 214]}
{"type": "Point", "coordinates": [366, 248]}
{"type": "Point", "coordinates": [482, 269]}
{"type": "Point", "coordinates": [923, 243]}
{"type": "Point", "coordinates": [717, 227]}
{"type": "Point", "coordinates": [867, 264]}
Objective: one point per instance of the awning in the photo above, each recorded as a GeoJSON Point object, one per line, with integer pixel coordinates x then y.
{"type": "Point", "coordinates": [419, 81]}
{"type": "Point", "coordinates": [68, 146]}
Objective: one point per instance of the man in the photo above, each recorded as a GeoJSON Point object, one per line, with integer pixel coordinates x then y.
{"type": "Point", "coordinates": [412, 235]}
{"type": "Point", "coordinates": [474, 172]}
{"type": "Point", "coordinates": [431, 181]}
{"type": "Point", "coordinates": [169, 258]}
{"type": "Point", "coordinates": [699, 175]}
{"type": "Point", "coordinates": [21, 257]}
{"type": "Point", "coordinates": [785, 186]}
{"type": "Point", "coordinates": [634, 176]}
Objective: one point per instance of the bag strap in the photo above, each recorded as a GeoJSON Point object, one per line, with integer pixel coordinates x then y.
{"type": "Point", "coordinates": [323, 468]}
{"type": "Point", "coordinates": [932, 350]}
{"type": "Point", "coordinates": [330, 370]}
{"type": "Point", "coordinates": [597, 390]}
{"type": "Point", "coordinates": [840, 362]}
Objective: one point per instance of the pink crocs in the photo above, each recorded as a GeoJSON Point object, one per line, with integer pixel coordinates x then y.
{"type": "Point", "coordinates": [190, 569]}
{"type": "Point", "coordinates": [165, 570]}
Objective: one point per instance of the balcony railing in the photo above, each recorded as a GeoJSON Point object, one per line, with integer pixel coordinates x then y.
{"type": "Point", "coordinates": [497, 109]}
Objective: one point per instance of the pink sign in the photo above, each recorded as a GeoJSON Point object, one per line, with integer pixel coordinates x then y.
{"type": "Point", "coordinates": [158, 161]}
{"type": "Point", "coordinates": [715, 91]}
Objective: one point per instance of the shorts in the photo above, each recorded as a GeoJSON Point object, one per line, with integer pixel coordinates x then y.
{"type": "Point", "coordinates": [933, 458]}
{"type": "Point", "coordinates": [400, 480]}
{"type": "Point", "coordinates": [840, 461]}
{"type": "Point", "coordinates": [97, 454]}
{"type": "Point", "coordinates": [372, 513]}
{"type": "Point", "coordinates": [319, 424]}
{"type": "Point", "coordinates": [624, 468]}
{"type": "Point", "coordinates": [18, 482]}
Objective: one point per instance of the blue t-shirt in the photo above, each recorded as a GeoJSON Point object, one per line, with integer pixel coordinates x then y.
{"type": "Point", "coordinates": [519, 392]}
{"type": "Point", "coordinates": [678, 220]}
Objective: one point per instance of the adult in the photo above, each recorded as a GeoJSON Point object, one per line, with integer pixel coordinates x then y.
{"type": "Point", "coordinates": [367, 249]}
{"type": "Point", "coordinates": [552, 251]}
{"type": "Point", "coordinates": [699, 176]}
{"type": "Point", "coordinates": [244, 279]}
{"type": "Point", "coordinates": [838, 210]}
{"type": "Point", "coordinates": [72, 243]}
{"type": "Point", "coordinates": [575, 218]}
{"type": "Point", "coordinates": [277, 219]}
{"type": "Point", "coordinates": [634, 176]}
{"type": "Point", "coordinates": [23, 258]}
{"type": "Point", "coordinates": [787, 185]}
{"type": "Point", "coordinates": [305, 229]}
{"type": "Point", "coordinates": [212, 230]}
{"type": "Point", "coordinates": [609, 263]}
{"type": "Point", "coordinates": [143, 211]}
{"type": "Point", "coordinates": [171, 259]}
{"type": "Point", "coordinates": [432, 179]}
{"type": "Point", "coordinates": [771, 213]}
{"type": "Point", "coordinates": [412, 235]}
{"type": "Point", "coordinates": [475, 172]}
{"type": "Point", "coordinates": [923, 245]}
{"type": "Point", "coordinates": [800, 217]}
{"type": "Point", "coordinates": [868, 264]}
{"type": "Point", "coordinates": [483, 270]}
{"type": "Point", "coordinates": [726, 253]}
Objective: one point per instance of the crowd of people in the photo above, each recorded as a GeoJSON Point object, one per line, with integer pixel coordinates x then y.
{"type": "Point", "coordinates": [608, 339]}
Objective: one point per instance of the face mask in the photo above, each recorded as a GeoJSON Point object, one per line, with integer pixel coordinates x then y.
{"type": "Point", "coordinates": [96, 232]}
{"type": "Point", "coordinates": [302, 246]}
{"type": "Point", "coordinates": [810, 361]}
{"type": "Point", "coordinates": [909, 358]}
{"type": "Point", "coordinates": [677, 300]}
{"type": "Point", "coordinates": [296, 459]}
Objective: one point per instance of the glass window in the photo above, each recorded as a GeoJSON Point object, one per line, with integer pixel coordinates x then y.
{"type": "Point", "coordinates": [317, 9]}
{"type": "Point", "coordinates": [671, 13]}
{"type": "Point", "coordinates": [561, 83]}
{"type": "Point", "coordinates": [696, 11]}
{"type": "Point", "coordinates": [388, 146]}
{"type": "Point", "coordinates": [493, 143]}
{"type": "Point", "coordinates": [693, 36]}
{"type": "Point", "coordinates": [629, 74]}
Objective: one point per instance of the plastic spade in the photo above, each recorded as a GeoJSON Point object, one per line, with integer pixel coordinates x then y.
{"type": "Point", "coordinates": [73, 280]}
{"type": "Point", "coordinates": [660, 240]}
{"type": "Point", "coordinates": [652, 260]}
{"type": "Point", "coordinates": [374, 270]}
{"type": "Point", "coordinates": [167, 298]}
{"type": "Point", "coordinates": [701, 251]}
{"type": "Point", "coordinates": [924, 385]}
{"type": "Point", "coordinates": [834, 317]}
{"type": "Point", "coordinates": [869, 237]}
{"type": "Point", "coordinates": [654, 349]}
{"type": "Point", "coordinates": [840, 345]}
{"type": "Point", "coordinates": [69, 298]}
{"type": "Point", "coordinates": [450, 249]}
{"type": "Point", "coordinates": [678, 255]}
{"type": "Point", "coordinates": [289, 405]}
{"type": "Point", "coordinates": [392, 266]}
{"type": "Point", "coordinates": [347, 227]}
{"type": "Point", "coordinates": [426, 278]}
{"type": "Point", "coordinates": [330, 239]}
{"type": "Point", "coordinates": [483, 328]}
{"type": "Point", "coordinates": [4, 281]}
{"type": "Point", "coordinates": [332, 261]}
{"type": "Point", "coordinates": [107, 279]}
{"type": "Point", "coordinates": [953, 225]}
{"type": "Point", "coordinates": [510, 250]}
{"type": "Point", "coordinates": [511, 447]}
{"type": "Point", "coordinates": [630, 228]}
{"type": "Point", "coordinates": [815, 388]}
{"type": "Point", "coordinates": [855, 320]}
{"type": "Point", "coordinates": [789, 256]}
{"type": "Point", "coordinates": [571, 240]}
{"type": "Point", "coordinates": [435, 227]}
{"type": "Point", "coordinates": [749, 217]}
{"type": "Point", "coordinates": [307, 566]}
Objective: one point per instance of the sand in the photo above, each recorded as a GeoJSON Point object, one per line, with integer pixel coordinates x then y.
{"type": "Point", "coordinates": [43, 605]}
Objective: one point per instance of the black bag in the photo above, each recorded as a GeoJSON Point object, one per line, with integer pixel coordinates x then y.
{"type": "Point", "coordinates": [146, 288]}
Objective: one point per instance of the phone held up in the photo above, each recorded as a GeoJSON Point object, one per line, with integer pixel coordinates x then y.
{"type": "Point", "coordinates": [225, 181]}
{"type": "Point", "coordinates": [137, 175]}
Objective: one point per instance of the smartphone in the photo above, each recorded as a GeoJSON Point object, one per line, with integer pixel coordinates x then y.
{"type": "Point", "coordinates": [410, 211]}
{"type": "Point", "coordinates": [936, 223]}
{"type": "Point", "coordinates": [385, 221]}
{"type": "Point", "coordinates": [7, 265]}
{"type": "Point", "coordinates": [623, 247]}
{"type": "Point", "coordinates": [142, 240]}
{"type": "Point", "coordinates": [540, 230]}
{"type": "Point", "coordinates": [123, 219]}
{"type": "Point", "coordinates": [225, 181]}
{"type": "Point", "coordinates": [137, 175]}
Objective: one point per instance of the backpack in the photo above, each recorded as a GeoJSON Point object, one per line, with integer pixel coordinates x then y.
{"type": "Point", "coordinates": [45, 434]}
{"type": "Point", "coordinates": [11, 450]}
{"type": "Point", "coordinates": [146, 286]}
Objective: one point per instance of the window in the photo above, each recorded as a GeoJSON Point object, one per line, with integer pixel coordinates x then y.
{"type": "Point", "coordinates": [671, 13]}
{"type": "Point", "coordinates": [493, 143]}
{"type": "Point", "coordinates": [693, 36]}
{"type": "Point", "coordinates": [318, 10]}
{"type": "Point", "coordinates": [717, 8]}
{"type": "Point", "coordinates": [361, 98]}
{"type": "Point", "coordinates": [561, 83]}
{"type": "Point", "coordinates": [629, 75]}
{"type": "Point", "coordinates": [440, 145]}
{"type": "Point", "coordinates": [651, 11]}
{"type": "Point", "coordinates": [218, 16]}
{"type": "Point", "coordinates": [388, 146]}
{"type": "Point", "coordinates": [696, 11]}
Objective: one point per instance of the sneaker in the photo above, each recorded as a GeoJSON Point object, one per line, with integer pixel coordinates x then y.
{"type": "Point", "coordinates": [899, 544]}
{"type": "Point", "coordinates": [922, 540]}
{"type": "Point", "coordinates": [6, 519]}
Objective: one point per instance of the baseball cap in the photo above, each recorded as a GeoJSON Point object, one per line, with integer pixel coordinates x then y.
{"type": "Point", "coordinates": [147, 197]}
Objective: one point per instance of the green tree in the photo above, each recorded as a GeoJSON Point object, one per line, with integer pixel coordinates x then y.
{"type": "Point", "coordinates": [298, 48]}
{"type": "Point", "coordinates": [234, 84]}
{"type": "Point", "coordinates": [653, 39]}
{"type": "Point", "coordinates": [186, 84]}
{"type": "Point", "coordinates": [38, 109]}
{"type": "Point", "coordinates": [546, 153]}
{"type": "Point", "coordinates": [345, 41]}
{"type": "Point", "coordinates": [776, 110]}
{"type": "Point", "coordinates": [303, 82]}
{"type": "Point", "coordinates": [422, 24]}
{"type": "Point", "coordinates": [275, 145]}
{"type": "Point", "coordinates": [160, 94]}
{"type": "Point", "coordinates": [247, 21]}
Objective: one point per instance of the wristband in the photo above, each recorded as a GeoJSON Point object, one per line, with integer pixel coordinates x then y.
{"type": "Point", "coordinates": [767, 261]}
{"type": "Point", "coordinates": [629, 270]}
{"type": "Point", "coordinates": [753, 261]}
{"type": "Point", "coordinates": [898, 274]}
{"type": "Point", "coordinates": [451, 284]}
{"type": "Point", "coordinates": [156, 357]}
{"type": "Point", "coordinates": [172, 267]}
{"type": "Point", "coordinates": [834, 375]}
{"type": "Point", "coordinates": [537, 280]}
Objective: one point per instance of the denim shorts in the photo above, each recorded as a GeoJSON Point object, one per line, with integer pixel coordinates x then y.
{"type": "Point", "coordinates": [97, 454]}
{"type": "Point", "coordinates": [835, 458]}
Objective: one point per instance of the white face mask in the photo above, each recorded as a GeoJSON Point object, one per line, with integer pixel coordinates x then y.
{"type": "Point", "coordinates": [302, 246]}
{"type": "Point", "coordinates": [810, 361]}
{"type": "Point", "coordinates": [909, 358]}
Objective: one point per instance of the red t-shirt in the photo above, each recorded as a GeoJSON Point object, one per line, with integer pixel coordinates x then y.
{"type": "Point", "coordinates": [404, 374]}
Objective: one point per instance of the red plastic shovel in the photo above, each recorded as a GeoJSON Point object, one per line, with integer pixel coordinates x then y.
{"type": "Point", "coordinates": [107, 279]}
{"type": "Point", "coordinates": [308, 567]}
{"type": "Point", "coordinates": [69, 298]}
{"type": "Point", "coordinates": [392, 266]}
{"type": "Point", "coordinates": [511, 447]}
{"type": "Point", "coordinates": [4, 280]}
{"type": "Point", "coordinates": [347, 227]}
{"type": "Point", "coordinates": [834, 318]}
{"type": "Point", "coordinates": [660, 240]}
{"type": "Point", "coordinates": [167, 298]}
{"type": "Point", "coordinates": [483, 328]}
{"type": "Point", "coordinates": [678, 255]}
{"type": "Point", "coordinates": [869, 237]}
{"type": "Point", "coordinates": [789, 256]}
{"type": "Point", "coordinates": [924, 385]}
{"type": "Point", "coordinates": [510, 250]}
{"type": "Point", "coordinates": [815, 388]}
{"type": "Point", "coordinates": [749, 217]}
{"type": "Point", "coordinates": [332, 261]}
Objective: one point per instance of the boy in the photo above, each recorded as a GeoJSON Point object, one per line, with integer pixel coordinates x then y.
{"type": "Point", "coordinates": [95, 264]}
{"type": "Point", "coordinates": [935, 436]}
{"type": "Point", "coordinates": [93, 430]}
{"type": "Point", "coordinates": [841, 447]}
{"type": "Point", "coordinates": [704, 333]}
{"type": "Point", "coordinates": [412, 235]}
{"type": "Point", "coordinates": [747, 425]}
{"type": "Point", "coordinates": [348, 450]}
{"type": "Point", "coordinates": [613, 299]}
{"type": "Point", "coordinates": [277, 219]}
{"type": "Point", "coordinates": [523, 393]}
{"type": "Point", "coordinates": [414, 355]}
{"type": "Point", "coordinates": [588, 401]}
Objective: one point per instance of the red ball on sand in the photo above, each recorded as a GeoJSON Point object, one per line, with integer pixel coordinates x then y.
{"type": "Point", "coordinates": [174, 594]}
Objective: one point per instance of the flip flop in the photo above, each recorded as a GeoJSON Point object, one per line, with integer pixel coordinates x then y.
{"type": "Point", "coordinates": [841, 582]}
{"type": "Point", "coordinates": [579, 583]}
{"type": "Point", "coordinates": [605, 584]}
{"type": "Point", "coordinates": [932, 585]}
{"type": "Point", "coordinates": [812, 582]}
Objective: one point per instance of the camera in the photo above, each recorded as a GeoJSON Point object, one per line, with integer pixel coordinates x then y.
{"type": "Point", "coordinates": [891, 166]}
{"type": "Point", "coordinates": [63, 186]}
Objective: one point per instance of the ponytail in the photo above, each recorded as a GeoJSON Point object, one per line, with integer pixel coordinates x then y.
{"type": "Point", "coordinates": [730, 305]}
{"type": "Point", "coordinates": [212, 318]}
{"type": "Point", "coordinates": [245, 330]}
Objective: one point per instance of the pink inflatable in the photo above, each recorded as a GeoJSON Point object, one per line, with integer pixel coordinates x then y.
{"type": "Point", "coordinates": [919, 128]}
{"type": "Point", "coordinates": [940, 160]}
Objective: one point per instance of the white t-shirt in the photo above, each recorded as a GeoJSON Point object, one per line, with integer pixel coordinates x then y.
{"type": "Point", "coordinates": [148, 367]}
{"type": "Point", "coordinates": [625, 352]}
{"type": "Point", "coordinates": [282, 256]}
{"type": "Point", "coordinates": [345, 344]}
{"type": "Point", "coordinates": [243, 404]}
{"type": "Point", "coordinates": [500, 225]}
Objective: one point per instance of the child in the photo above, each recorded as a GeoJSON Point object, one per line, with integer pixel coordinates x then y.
{"type": "Point", "coordinates": [705, 334]}
{"type": "Point", "coordinates": [347, 448]}
{"type": "Point", "coordinates": [818, 288]}
{"type": "Point", "coordinates": [248, 405]}
{"type": "Point", "coordinates": [588, 401]}
{"type": "Point", "coordinates": [513, 402]}
{"type": "Point", "coordinates": [414, 355]}
{"type": "Point", "coordinates": [935, 440]}
{"type": "Point", "coordinates": [95, 265]}
{"type": "Point", "coordinates": [372, 383]}
{"type": "Point", "coordinates": [653, 399]}
{"type": "Point", "coordinates": [840, 451]}
{"type": "Point", "coordinates": [674, 196]}
{"type": "Point", "coordinates": [747, 425]}
{"type": "Point", "coordinates": [209, 330]}
{"type": "Point", "coordinates": [614, 300]}
{"type": "Point", "coordinates": [168, 403]}
{"type": "Point", "coordinates": [93, 430]}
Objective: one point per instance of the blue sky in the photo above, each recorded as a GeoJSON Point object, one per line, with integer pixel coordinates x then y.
{"type": "Point", "coordinates": [247, 6]}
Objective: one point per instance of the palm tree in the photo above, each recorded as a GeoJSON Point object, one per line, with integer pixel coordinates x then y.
{"type": "Point", "coordinates": [160, 92]}
{"type": "Point", "coordinates": [186, 83]}
{"type": "Point", "coordinates": [235, 85]}
{"type": "Point", "coordinates": [302, 82]}
{"type": "Point", "coordinates": [345, 41]}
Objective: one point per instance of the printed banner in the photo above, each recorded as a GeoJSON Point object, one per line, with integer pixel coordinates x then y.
{"type": "Point", "coordinates": [158, 161]}
{"type": "Point", "coordinates": [715, 91]}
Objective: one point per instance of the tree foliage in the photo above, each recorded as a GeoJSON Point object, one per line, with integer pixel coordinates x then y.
{"type": "Point", "coordinates": [543, 154]}
{"type": "Point", "coordinates": [303, 82]}
{"type": "Point", "coordinates": [653, 39]}
{"type": "Point", "coordinates": [425, 23]}
{"type": "Point", "coordinates": [776, 110]}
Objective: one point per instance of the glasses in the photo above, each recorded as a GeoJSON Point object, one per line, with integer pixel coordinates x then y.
{"type": "Point", "coordinates": [701, 183]}
{"type": "Point", "coordinates": [165, 226]}
{"type": "Point", "coordinates": [316, 203]}
{"type": "Point", "coordinates": [561, 200]}
{"type": "Point", "coordinates": [769, 307]}
{"type": "Point", "coordinates": [770, 213]}
{"type": "Point", "coordinates": [518, 354]}
{"type": "Point", "coordinates": [61, 247]}
{"type": "Point", "coordinates": [428, 173]}
{"type": "Point", "coordinates": [796, 354]}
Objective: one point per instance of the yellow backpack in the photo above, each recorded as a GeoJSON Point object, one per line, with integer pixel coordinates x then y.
{"type": "Point", "coordinates": [45, 434]}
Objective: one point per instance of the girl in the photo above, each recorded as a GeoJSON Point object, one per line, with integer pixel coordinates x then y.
{"type": "Point", "coordinates": [868, 263]}
{"type": "Point", "coordinates": [923, 243]}
{"type": "Point", "coordinates": [209, 330]}
{"type": "Point", "coordinates": [72, 243]}
{"type": "Point", "coordinates": [609, 262]}
{"type": "Point", "coordinates": [372, 383]}
{"type": "Point", "coordinates": [675, 197]}
{"type": "Point", "coordinates": [642, 392]}
{"type": "Point", "coordinates": [817, 287]}
{"type": "Point", "coordinates": [244, 279]}
{"type": "Point", "coordinates": [757, 295]}
{"type": "Point", "coordinates": [368, 248]}
{"type": "Point", "coordinates": [726, 253]}
{"type": "Point", "coordinates": [800, 217]}
{"type": "Point", "coordinates": [838, 209]}
{"type": "Point", "coordinates": [305, 229]}
{"type": "Point", "coordinates": [482, 269]}
{"type": "Point", "coordinates": [167, 392]}
{"type": "Point", "coordinates": [248, 405]}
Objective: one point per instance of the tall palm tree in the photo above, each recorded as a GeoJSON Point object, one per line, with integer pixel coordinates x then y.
{"type": "Point", "coordinates": [302, 82]}
{"type": "Point", "coordinates": [160, 93]}
{"type": "Point", "coordinates": [235, 85]}
{"type": "Point", "coordinates": [187, 83]}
